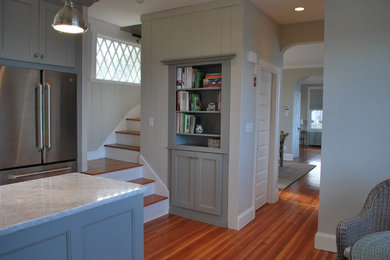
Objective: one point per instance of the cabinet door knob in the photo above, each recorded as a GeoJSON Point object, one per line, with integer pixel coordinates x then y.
{"type": "Point", "coordinates": [42, 56]}
{"type": "Point", "coordinates": [35, 55]}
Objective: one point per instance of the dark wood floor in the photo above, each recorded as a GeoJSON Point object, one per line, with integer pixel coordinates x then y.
{"type": "Point", "coordinates": [284, 230]}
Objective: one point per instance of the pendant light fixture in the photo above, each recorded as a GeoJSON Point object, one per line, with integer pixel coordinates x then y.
{"type": "Point", "coordinates": [69, 20]}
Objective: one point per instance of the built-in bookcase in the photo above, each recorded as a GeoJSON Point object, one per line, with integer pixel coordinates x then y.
{"type": "Point", "coordinates": [199, 93]}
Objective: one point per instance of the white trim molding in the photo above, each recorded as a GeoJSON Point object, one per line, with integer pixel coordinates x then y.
{"type": "Point", "coordinates": [324, 241]}
{"type": "Point", "coordinates": [273, 166]}
{"type": "Point", "coordinates": [246, 217]}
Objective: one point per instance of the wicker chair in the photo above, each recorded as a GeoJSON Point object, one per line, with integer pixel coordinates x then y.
{"type": "Point", "coordinates": [374, 217]}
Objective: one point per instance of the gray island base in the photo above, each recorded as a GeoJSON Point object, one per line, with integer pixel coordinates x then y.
{"type": "Point", "coordinates": [72, 216]}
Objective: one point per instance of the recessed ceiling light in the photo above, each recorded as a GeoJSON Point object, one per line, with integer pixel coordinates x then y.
{"type": "Point", "coordinates": [299, 9]}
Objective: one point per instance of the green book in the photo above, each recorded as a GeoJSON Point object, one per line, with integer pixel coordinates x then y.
{"type": "Point", "coordinates": [198, 82]}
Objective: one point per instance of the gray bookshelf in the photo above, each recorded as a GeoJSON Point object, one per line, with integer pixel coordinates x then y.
{"type": "Point", "coordinates": [215, 123]}
{"type": "Point", "coordinates": [199, 173]}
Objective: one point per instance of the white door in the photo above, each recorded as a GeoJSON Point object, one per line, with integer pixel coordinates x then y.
{"type": "Point", "coordinates": [263, 137]}
{"type": "Point", "coordinates": [296, 121]}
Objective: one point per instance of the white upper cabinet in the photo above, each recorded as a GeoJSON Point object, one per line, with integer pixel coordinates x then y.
{"type": "Point", "coordinates": [19, 30]}
{"type": "Point", "coordinates": [27, 34]}
{"type": "Point", "coordinates": [54, 47]}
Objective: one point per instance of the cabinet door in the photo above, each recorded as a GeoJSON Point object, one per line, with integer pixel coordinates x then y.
{"type": "Point", "coordinates": [182, 179]}
{"type": "Point", "coordinates": [19, 29]}
{"type": "Point", "coordinates": [54, 48]}
{"type": "Point", "coordinates": [208, 183]}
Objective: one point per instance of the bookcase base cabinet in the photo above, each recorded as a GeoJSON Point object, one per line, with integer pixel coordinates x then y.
{"type": "Point", "coordinates": [198, 186]}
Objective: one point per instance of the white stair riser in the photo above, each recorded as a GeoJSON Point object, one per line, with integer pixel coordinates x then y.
{"type": "Point", "coordinates": [133, 125]}
{"type": "Point", "coordinates": [124, 175]}
{"type": "Point", "coordinates": [122, 154]}
{"type": "Point", "coordinates": [128, 139]}
{"type": "Point", "coordinates": [150, 189]}
{"type": "Point", "coordinates": [156, 210]}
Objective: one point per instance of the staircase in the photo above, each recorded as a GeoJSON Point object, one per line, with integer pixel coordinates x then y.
{"type": "Point", "coordinates": [122, 163]}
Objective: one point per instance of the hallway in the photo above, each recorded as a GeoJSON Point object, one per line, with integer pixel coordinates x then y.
{"type": "Point", "coordinates": [284, 230]}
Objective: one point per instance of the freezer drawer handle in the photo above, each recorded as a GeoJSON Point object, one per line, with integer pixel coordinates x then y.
{"type": "Point", "coordinates": [16, 176]}
{"type": "Point", "coordinates": [48, 117]}
{"type": "Point", "coordinates": [39, 111]}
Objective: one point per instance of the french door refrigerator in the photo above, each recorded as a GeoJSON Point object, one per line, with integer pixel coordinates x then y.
{"type": "Point", "coordinates": [38, 123]}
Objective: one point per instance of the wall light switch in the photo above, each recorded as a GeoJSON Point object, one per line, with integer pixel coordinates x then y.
{"type": "Point", "coordinates": [151, 121]}
{"type": "Point", "coordinates": [249, 127]}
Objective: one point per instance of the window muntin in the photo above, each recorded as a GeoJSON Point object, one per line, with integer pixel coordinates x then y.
{"type": "Point", "coordinates": [117, 61]}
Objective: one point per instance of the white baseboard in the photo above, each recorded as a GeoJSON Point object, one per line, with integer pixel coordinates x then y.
{"type": "Point", "coordinates": [324, 241]}
{"type": "Point", "coordinates": [246, 217]}
{"type": "Point", "coordinates": [148, 172]}
{"type": "Point", "coordinates": [288, 157]}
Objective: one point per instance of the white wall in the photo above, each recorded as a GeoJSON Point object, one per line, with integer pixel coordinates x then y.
{"type": "Point", "coordinates": [292, 78]}
{"type": "Point", "coordinates": [356, 136]}
{"type": "Point", "coordinates": [214, 28]}
{"type": "Point", "coordinates": [261, 35]}
{"type": "Point", "coordinates": [108, 102]}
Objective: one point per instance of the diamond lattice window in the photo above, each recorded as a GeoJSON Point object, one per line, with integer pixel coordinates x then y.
{"type": "Point", "coordinates": [117, 61]}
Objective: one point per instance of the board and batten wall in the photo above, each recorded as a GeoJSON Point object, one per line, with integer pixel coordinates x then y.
{"type": "Point", "coordinates": [213, 28]}
{"type": "Point", "coordinates": [356, 136]}
{"type": "Point", "coordinates": [108, 102]}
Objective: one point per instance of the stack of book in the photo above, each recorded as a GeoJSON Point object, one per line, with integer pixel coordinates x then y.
{"type": "Point", "coordinates": [185, 124]}
{"type": "Point", "coordinates": [212, 80]}
{"type": "Point", "coordinates": [188, 77]}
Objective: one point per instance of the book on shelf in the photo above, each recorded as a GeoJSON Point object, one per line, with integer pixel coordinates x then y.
{"type": "Point", "coordinates": [179, 78]}
{"type": "Point", "coordinates": [212, 80]}
{"type": "Point", "coordinates": [187, 101]}
{"type": "Point", "coordinates": [189, 77]}
{"type": "Point", "coordinates": [185, 123]}
{"type": "Point", "coordinates": [219, 102]}
{"type": "Point", "coordinates": [198, 79]}
{"type": "Point", "coordinates": [213, 76]}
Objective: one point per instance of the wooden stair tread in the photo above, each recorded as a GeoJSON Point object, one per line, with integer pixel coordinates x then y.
{"type": "Point", "coordinates": [142, 181]}
{"type": "Point", "coordinates": [154, 198]}
{"type": "Point", "coordinates": [106, 165]}
{"type": "Point", "coordinates": [124, 147]}
{"type": "Point", "coordinates": [127, 132]}
{"type": "Point", "coordinates": [133, 119]}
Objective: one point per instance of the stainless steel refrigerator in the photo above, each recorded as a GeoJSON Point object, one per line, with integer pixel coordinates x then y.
{"type": "Point", "coordinates": [38, 123]}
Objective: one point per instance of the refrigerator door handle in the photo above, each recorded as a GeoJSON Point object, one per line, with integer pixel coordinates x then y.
{"type": "Point", "coordinates": [39, 112]}
{"type": "Point", "coordinates": [48, 116]}
{"type": "Point", "coordinates": [17, 176]}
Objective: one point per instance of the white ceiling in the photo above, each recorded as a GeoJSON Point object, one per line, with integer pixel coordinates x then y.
{"type": "Point", "coordinates": [304, 56]}
{"type": "Point", "coordinates": [283, 12]}
{"type": "Point", "coordinates": [127, 12]}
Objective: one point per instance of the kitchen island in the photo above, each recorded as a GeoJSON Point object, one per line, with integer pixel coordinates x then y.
{"type": "Point", "coordinates": [71, 216]}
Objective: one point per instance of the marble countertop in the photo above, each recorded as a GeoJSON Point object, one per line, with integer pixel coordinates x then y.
{"type": "Point", "coordinates": [31, 203]}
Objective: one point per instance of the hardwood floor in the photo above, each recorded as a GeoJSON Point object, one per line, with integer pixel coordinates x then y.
{"type": "Point", "coordinates": [284, 230]}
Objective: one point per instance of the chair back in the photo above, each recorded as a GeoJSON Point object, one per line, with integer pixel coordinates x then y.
{"type": "Point", "coordinates": [378, 204]}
